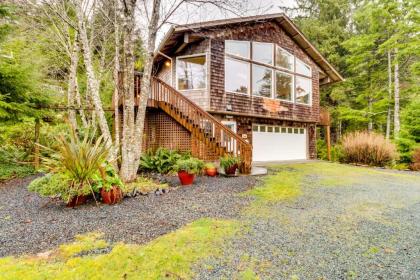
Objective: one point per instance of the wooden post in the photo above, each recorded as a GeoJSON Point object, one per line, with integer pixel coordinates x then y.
{"type": "Point", "coordinates": [328, 142]}
{"type": "Point", "coordinates": [36, 142]}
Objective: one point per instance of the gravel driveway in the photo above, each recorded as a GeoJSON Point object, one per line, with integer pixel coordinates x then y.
{"type": "Point", "coordinates": [343, 223]}
{"type": "Point", "coordinates": [359, 225]}
{"type": "Point", "coordinates": [28, 227]}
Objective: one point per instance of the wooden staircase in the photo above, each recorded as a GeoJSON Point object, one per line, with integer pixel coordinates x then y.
{"type": "Point", "coordinates": [202, 126]}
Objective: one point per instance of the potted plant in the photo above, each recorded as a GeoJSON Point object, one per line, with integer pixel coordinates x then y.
{"type": "Point", "coordinates": [109, 184]}
{"type": "Point", "coordinates": [210, 169]}
{"type": "Point", "coordinates": [229, 164]}
{"type": "Point", "coordinates": [187, 168]}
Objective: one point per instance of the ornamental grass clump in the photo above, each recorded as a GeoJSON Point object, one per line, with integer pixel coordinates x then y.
{"type": "Point", "coordinates": [367, 148]}
{"type": "Point", "coordinates": [416, 160]}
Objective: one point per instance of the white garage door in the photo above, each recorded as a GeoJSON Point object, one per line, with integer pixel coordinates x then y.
{"type": "Point", "coordinates": [272, 143]}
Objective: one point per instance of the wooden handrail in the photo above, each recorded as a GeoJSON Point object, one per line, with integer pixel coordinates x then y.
{"type": "Point", "coordinates": [201, 123]}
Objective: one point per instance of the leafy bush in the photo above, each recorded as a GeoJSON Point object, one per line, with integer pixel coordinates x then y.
{"type": "Point", "coordinates": [416, 160]}
{"type": "Point", "coordinates": [161, 161]}
{"type": "Point", "coordinates": [209, 165]}
{"type": "Point", "coordinates": [142, 185]}
{"type": "Point", "coordinates": [10, 170]}
{"type": "Point", "coordinates": [106, 178]}
{"type": "Point", "coordinates": [191, 165]}
{"type": "Point", "coordinates": [368, 148]}
{"type": "Point", "coordinates": [322, 153]}
{"type": "Point", "coordinates": [228, 160]}
{"type": "Point", "coordinates": [56, 185]}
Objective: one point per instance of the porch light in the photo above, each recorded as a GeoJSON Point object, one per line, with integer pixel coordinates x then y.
{"type": "Point", "coordinates": [167, 63]}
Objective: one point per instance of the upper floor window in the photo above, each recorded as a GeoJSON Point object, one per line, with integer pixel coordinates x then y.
{"type": "Point", "coordinates": [191, 72]}
{"type": "Point", "coordinates": [262, 52]}
{"type": "Point", "coordinates": [284, 59]}
{"type": "Point", "coordinates": [303, 68]}
{"type": "Point", "coordinates": [238, 48]}
{"type": "Point", "coordinates": [236, 75]}
{"type": "Point", "coordinates": [266, 70]}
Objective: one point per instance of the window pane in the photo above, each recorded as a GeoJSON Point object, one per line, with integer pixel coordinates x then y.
{"type": "Point", "coordinates": [284, 59]}
{"type": "Point", "coordinates": [239, 48]}
{"type": "Point", "coordinates": [255, 128]}
{"type": "Point", "coordinates": [296, 131]}
{"type": "Point", "coordinates": [289, 130]}
{"type": "Point", "coordinates": [302, 68]}
{"type": "Point", "coordinates": [236, 75]}
{"type": "Point", "coordinates": [262, 52]}
{"type": "Point", "coordinates": [302, 131]}
{"type": "Point", "coordinates": [283, 130]}
{"type": "Point", "coordinates": [284, 86]}
{"type": "Point", "coordinates": [277, 129]}
{"type": "Point", "coordinates": [191, 72]}
{"type": "Point", "coordinates": [303, 90]}
{"type": "Point", "coordinates": [262, 128]}
{"type": "Point", "coordinates": [269, 129]}
{"type": "Point", "coordinates": [261, 80]}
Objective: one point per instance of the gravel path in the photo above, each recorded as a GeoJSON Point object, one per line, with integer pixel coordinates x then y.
{"type": "Point", "coordinates": [367, 229]}
{"type": "Point", "coordinates": [28, 227]}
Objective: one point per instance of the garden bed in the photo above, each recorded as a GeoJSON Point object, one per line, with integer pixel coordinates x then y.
{"type": "Point", "coordinates": [27, 226]}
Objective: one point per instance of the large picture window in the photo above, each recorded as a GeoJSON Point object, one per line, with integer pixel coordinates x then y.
{"type": "Point", "coordinates": [237, 75]}
{"type": "Point", "coordinates": [261, 80]}
{"type": "Point", "coordinates": [284, 86]}
{"type": "Point", "coordinates": [191, 72]}
{"type": "Point", "coordinates": [262, 52]}
{"type": "Point", "coordinates": [303, 90]}
{"type": "Point", "coordinates": [284, 59]}
{"type": "Point", "coordinates": [266, 70]}
{"type": "Point", "coordinates": [238, 48]}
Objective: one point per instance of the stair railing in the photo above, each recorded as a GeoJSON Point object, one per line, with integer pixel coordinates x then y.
{"type": "Point", "coordinates": [202, 123]}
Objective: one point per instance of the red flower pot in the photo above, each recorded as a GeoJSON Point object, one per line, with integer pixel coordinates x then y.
{"type": "Point", "coordinates": [112, 196]}
{"type": "Point", "coordinates": [211, 172]}
{"type": "Point", "coordinates": [186, 178]}
{"type": "Point", "coordinates": [231, 170]}
{"type": "Point", "coordinates": [77, 200]}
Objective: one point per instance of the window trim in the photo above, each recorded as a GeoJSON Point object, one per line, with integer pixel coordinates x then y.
{"type": "Point", "coordinates": [205, 54]}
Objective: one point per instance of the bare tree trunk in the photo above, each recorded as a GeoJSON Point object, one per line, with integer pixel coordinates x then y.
{"type": "Point", "coordinates": [116, 97]}
{"type": "Point", "coordinates": [396, 96]}
{"type": "Point", "coordinates": [92, 81]}
{"type": "Point", "coordinates": [80, 105]}
{"type": "Point", "coordinates": [370, 124]}
{"type": "Point", "coordinates": [388, 116]}
{"type": "Point", "coordinates": [128, 171]}
{"type": "Point", "coordinates": [72, 84]}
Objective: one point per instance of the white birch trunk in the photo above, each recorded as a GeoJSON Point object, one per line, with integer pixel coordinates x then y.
{"type": "Point", "coordinates": [72, 85]}
{"type": "Point", "coordinates": [116, 97]}
{"type": "Point", "coordinates": [396, 96]}
{"type": "Point", "coordinates": [92, 81]}
{"type": "Point", "coordinates": [388, 116]}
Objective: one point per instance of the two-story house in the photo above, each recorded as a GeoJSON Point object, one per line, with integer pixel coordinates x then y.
{"type": "Point", "coordinates": [247, 86]}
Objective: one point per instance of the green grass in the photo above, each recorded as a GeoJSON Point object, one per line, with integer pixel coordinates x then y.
{"type": "Point", "coordinates": [9, 171]}
{"type": "Point", "coordinates": [167, 257]}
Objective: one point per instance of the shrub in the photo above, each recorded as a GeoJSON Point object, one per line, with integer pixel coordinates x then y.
{"type": "Point", "coordinates": [142, 185]}
{"type": "Point", "coordinates": [416, 160]}
{"type": "Point", "coordinates": [322, 153]}
{"type": "Point", "coordinates": [228, 160]}
{"type": "Point", "coordinates": [209, 165]}
{"type": "Point", "coordinates": [368, 148]}
{"type": "Point", "coordinates": [161, 161]}
{"type": "Point", "coordinates": [55, 185]}
{"type": "Point", "coordinates": [79, 160]}
{"type": "Point", "coordinates": [106, 178]}
{"type": "Point", "coordinates": [191, 165]}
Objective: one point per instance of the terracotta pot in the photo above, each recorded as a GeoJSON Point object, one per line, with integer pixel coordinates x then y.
{"type": "Point", "coordinates": [77, 200]}
{"type": "Point", "coordinates": [186, 178]}
{"type": "Point", "coordinates": [211, 171]}
{"type": "Point", "coordinates": [112, 196]}
{"type": "Point", "coordinates": [231, 170]}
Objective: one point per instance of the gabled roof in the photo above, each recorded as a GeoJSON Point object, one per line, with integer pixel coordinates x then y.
{"type": "Point", "coordinates": [177, 32]}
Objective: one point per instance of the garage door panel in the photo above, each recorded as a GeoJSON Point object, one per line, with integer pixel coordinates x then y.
{"type": "Point", "coordinates": [272, 146]}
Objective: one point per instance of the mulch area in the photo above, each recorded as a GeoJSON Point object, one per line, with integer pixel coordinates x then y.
{"type": "Point", "coordinates": [29, 224]}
